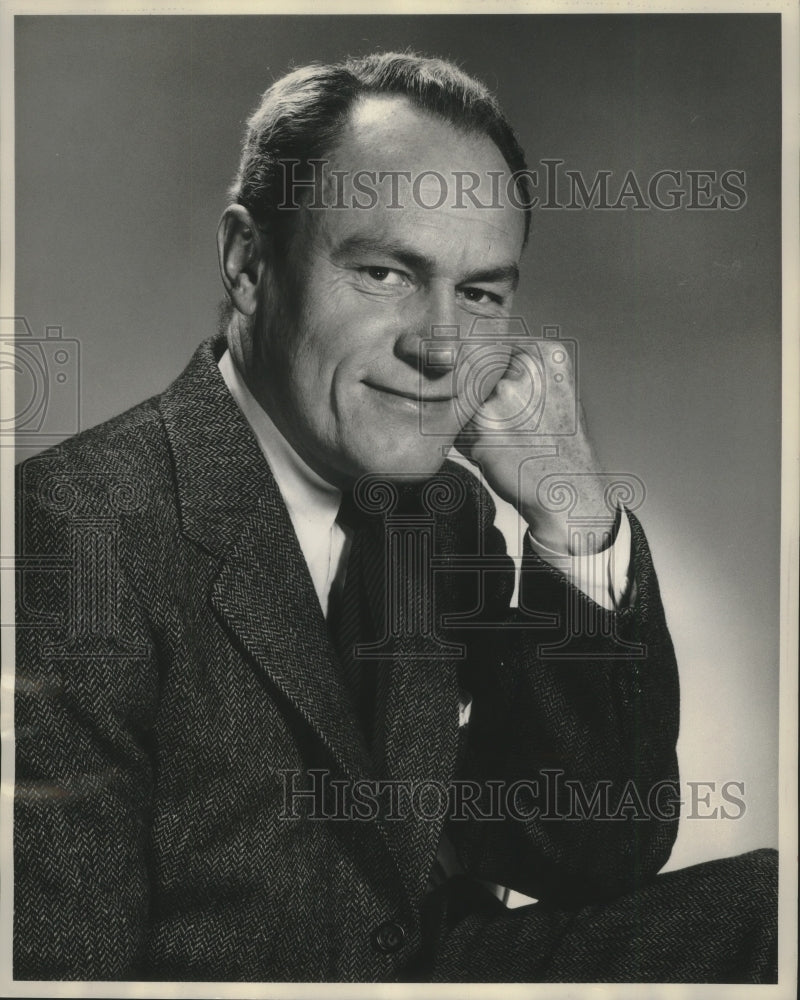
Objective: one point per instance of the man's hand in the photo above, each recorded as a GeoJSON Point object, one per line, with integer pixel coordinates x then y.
{"type": "Point", "coordinates": [532, 426]}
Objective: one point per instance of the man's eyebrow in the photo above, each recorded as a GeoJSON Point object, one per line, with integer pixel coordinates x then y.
{"type": "Point", "coordinates": [504, 272]}
{"type": "Point", "coordinates": [420, 262]}
{"type": "Point", "coordinates": [374, 244]}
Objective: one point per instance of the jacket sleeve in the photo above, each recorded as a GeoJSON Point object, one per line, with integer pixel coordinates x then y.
{"type": "Point", "coordinates": [84, 693]}
{"type": "Point", "coordinates": [572, 736]}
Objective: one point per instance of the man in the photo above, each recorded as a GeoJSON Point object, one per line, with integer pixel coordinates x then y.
{"type": "Point", "coordinates": [266, 626]}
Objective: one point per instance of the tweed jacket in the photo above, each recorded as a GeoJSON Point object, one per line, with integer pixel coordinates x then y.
{"type": "Point", "coordinates": [176, 688]}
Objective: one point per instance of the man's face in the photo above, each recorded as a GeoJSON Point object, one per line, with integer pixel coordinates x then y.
{"type": "Point", "coordinates": [340, 365]}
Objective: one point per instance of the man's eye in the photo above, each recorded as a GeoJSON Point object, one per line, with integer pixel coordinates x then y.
{"type": "Point", "coordinates": [480, 296]}
{"type": "Point", "coordinates": [385, 276]}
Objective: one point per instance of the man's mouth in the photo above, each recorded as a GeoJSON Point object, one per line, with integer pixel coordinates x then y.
{"type": "Point", "coordinates": [410, 395]}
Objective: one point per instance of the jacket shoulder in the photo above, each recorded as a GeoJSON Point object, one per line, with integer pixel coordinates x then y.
{"type": "Point", "coordinates": [130, 433]}
{"type": "Point", "coordinates": [118, 468]}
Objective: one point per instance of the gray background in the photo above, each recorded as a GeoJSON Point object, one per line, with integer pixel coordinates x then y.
{"type": "Point", "coordinates": [127, 132]}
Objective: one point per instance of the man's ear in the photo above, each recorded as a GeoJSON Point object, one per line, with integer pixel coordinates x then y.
{"type": "Point", "coordinates": [241, 260]}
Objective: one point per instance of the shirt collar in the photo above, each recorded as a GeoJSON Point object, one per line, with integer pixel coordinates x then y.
{"type": "Point", "coordinates": [310, 499]}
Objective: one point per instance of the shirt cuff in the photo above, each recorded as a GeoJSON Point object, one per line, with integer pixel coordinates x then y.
{"type": "Point", "coordinates": [604, 575]}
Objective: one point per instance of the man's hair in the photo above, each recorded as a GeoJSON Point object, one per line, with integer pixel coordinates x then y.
{"type": "Point", "coordinates": [301, 117]}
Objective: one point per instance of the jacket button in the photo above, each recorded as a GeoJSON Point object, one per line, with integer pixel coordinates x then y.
{"type": "Point", "coordinates": [389, 937]}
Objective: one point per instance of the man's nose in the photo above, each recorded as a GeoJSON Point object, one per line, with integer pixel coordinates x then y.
{"type": "Point", "coordinates": [422, 341]}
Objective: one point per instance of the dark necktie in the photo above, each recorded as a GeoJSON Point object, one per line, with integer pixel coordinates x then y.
{"type": "Point", "coordinates": [351, 616]}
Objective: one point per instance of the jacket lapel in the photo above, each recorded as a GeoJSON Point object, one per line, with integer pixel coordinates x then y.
{"type": "Point", "coordinates": [265, 594]}
{"type": "Point", "coordinates": [231, 505]}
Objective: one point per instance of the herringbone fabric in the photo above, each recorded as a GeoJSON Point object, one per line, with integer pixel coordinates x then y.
{"type": "Point", "coordinates": [179, 708]}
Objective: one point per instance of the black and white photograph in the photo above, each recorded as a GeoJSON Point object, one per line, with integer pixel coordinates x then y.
{"type": "Point", "coordinates": [399, 450]}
